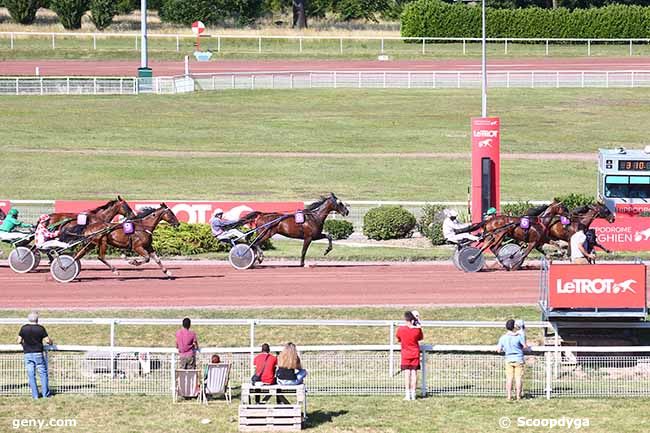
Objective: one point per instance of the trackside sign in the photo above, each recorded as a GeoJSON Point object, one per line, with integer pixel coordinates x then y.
{"type": "Point", "coordinates": [597, 286]}
{"type": "Point", "coordinates": [5, 205]}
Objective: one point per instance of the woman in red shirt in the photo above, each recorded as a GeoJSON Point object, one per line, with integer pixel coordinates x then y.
{"type": "Point", "coordinates": [409, 336]}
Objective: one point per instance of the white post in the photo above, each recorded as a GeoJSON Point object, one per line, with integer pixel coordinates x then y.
{"type": "Point", "coordinates": [112, 344]}
{"type": "Point", "coordinates": [272, 81]}
{"type": "Point", "coordinates": [259, 44]}
{"type": "Point", "coordinates": [143, 34]}
{"type": "Point", "coordinates": [409, 79]}
{"type": "Point", "coordinates": [464, 47]}
{"type": "Point", "coordinates": [121, 86]}
{"type": "Point", "coordinates": [341, 45]}
{"type": "Point", "coordinates": [630, 47]}
{"type": "Point", "coordinates": [187, 66]}
{"type": "Point", "coordinates": [384, 80]}
{"type": "Point", "coordinates": [232, 80]}
{"type": "Point", "coordinates": [424, 41]}
{"type": "Point", "coordinates": [291, 81]}
{"type": "Point", "coordinates": [252, 82]}
{"type": "Point", "coordinates": [391, 351]}
{"type": "Point", "coordinates": [506, 47]}
{"type": "Point", "coordinates": [252, 341]}
{"type": "Point", "coordinates": [484, 82]}
{"type": "Point", "coordinates": [218, 44]}
{"type": "Point", "coordinates": [547, 47]}
{"type": "Point", "coordinates": [532, 80]}
{"type": "Point", "coordinates": [507, 79]}
{"type": "Point", "coordinates": [549, 376]}
{"type": "Point", "coordinates": [172, 369]}
{"type": "Point", "coordinates": [589, 47]}
{"type": "Point", "coordinates": [382, 45]}
{"type": "Point", "coordinates": [37, 71]}
{"type": "Point", "coordinates": [53, 43]}
{"type": "Point", "coordinates": [310, 80]}
{"type": "Point", "coordinates": [94, 41]}
{"type": "Point", "coordinates": [557, 80]}
{"type": "Point", "coordinates": [359, 82]}
{"type": "Point", "coordinates": [17, 86]}
{"type": "Point", "coordinates": [94, 86]}
{"type": "Point", "coordinates": [178, 43]}
{"type": "Point", "coordinates": [607, 79]}
{"type": "Point", "coordinates": [335, 79]}
{"type": "Point", "coordinates": [433, 79]}
{"type": "Point", "coordinates": [41, 85]}
{"type": "Point", "coordinates": [11, 40]}
{"type": "Point", "coordinates": [423, 389]}
{"type": "Point", "coordinates": [300, 44]}
{"type": "Point", "coordinates": [67, 85]}
{"type": "Point", "coordinates": [582, 79]}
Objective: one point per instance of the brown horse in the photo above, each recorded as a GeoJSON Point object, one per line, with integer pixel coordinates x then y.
{"type": "Point", "coordinates": [497, 229]}
{"type": "Point", "coordinates": [140, 241]}
{"type": "Point", "coordinates": [310, 230]}
{"type": "Point", "coordinates": [3, 215]}
{"type": "Point", "coordinates": [582, 215]}
{"type": "Point", "coordinates": [104, 214]}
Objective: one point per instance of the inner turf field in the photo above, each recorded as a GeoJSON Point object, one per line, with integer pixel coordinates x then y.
{"type": "Point", "coordinates": [378, 144]}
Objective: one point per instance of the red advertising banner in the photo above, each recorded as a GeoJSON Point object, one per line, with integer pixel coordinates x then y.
{"type": "Point", "coordinates": [627, 233]}
{"type": "Point", "coordinates": [486, 142]}
{"type": "Point", "coordinates": [5, 205]}
{"type": "Point", "coordinates": [597, 286]}
{"type": "Point", "coordinates": [190, 211]}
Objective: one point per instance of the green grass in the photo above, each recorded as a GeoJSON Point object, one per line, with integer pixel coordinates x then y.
{"type": "Point", "coordinates": [113, 48]}
{"type": "Point", "coordinates": [37, 129]}
{"type": "Point", "coordinates": [152, 414]}
{"type": "Point", "coordinates": [237, 336]}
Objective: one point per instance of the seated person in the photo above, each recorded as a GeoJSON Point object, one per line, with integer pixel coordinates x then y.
{"type": "Point", "coordinates": [215, 359]}
{"type": "Point", "coordinates": [8, 228]}
{"type": "Point", "coordinates": [45, 239]}
{"type": "Point", "coordinates": [265, 365]}
{"type": "Point", "coordinates": [451, 224]}
{"type": "Point", "coordinates": [218, 225]}
{"type": "Point", "coordinates": [290, 371]}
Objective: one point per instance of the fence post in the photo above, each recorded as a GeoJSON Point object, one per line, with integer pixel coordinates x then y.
{"type": "Point", "coordinates": [341, 45]}
{"type": "Point", "coordinates": [424, 41]}
{"type": "Point", "coordinates": [252, 341]}
{"type": "Point", "coordinates": [532, 80]}
{"type": "Point", "coordinates": [11, 40]}
{"type": "Point", "coordinates": [67, 85]}
{"type": "Point", "coordinates": [252, 82]}
{"type": "Point", "coordinates": [506, 47]}
{"type": "Point", "coordinates": [630, 47]}
{"type": "Point", "coordinates": [582, 79]}
{"type": "Point", "coordinates": [272, 81]}
{"type": "Point", "coordinates": [310, 80]}
{"type": "Point", "coordinates": [433, 79]}
{"type": "Point", "coordinates": [259, 44]}
{"type": "Point", "coordinates": [409, 79]}
{"type": "Point", "coordinates": [94, 86]}
{"type": "Point", "coordinates": [359, 83]}
{"type": "Point", "coordinates": [178, 43]}
{"type": "Point", "coordinates": [291, 81]}
{"type": "Point", "coordinates": [549, 376]}
{"type": "Point", "coordinates": [335, 79]}
{"type": "Point", "coordinates": [423, 389]}
{"type": "Point", "coordinates": [607, 79]}
{"type": "Point", "coordinates": [17, 86]}
{"type": "Point", "coordinates": [41, 82]}
{"type": "Point", "coordinates": [112, 344]}
{"type": "Point", "coordinates": [172, 369]}
{"type": "Point", "coordinates": [458, 79]}
{"type": "Point", "coordinates": [382, 45]}
{"type": "Point", "coordinates": [384, 80]}
{"type": "Point", "coordinates": [464, 47]}
{"type": "Point", "coordinates": [218, 44]}
{"type": "Point", "coordinates": [588, 47]}
{"type": "Point", "coordinates": [300, 44]}
{"type": "Point", "coordinates": [232, 81]}
{"type": "Point", "coordinates": [632, 82]}
{"type": "Point", "coordinates": [507, 79]}
{"type": "Point", "coordinates": [557, 79]}
{"type": "Point", "coordinates": [391, 351]}
{"type": "Point", "coordinates": [53, 43]}
{"type": "Point", "coordinates": [94, 41]}
{"type": "Point", "coordinates": [547, 47]}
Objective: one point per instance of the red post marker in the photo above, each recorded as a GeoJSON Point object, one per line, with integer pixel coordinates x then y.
{"type": "Point", "coordinates": [197, 28]}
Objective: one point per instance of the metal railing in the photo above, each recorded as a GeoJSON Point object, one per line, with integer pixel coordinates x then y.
{"type": "Point", "coordinates": [315, 44]}
{"type": "Point", "coordinates": [349, 370]}
{"type": "Point", "coordinates": [406, 80]}
{"type": "Point", "coordinates": [38, 85]}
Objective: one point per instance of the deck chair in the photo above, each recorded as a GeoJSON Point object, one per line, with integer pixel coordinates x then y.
{"type": "Point", "coordinates": [216, 382]}
{"type": "Point", "coordinates": [188, 385]}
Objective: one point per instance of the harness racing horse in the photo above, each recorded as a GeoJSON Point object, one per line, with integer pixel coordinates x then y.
{"type": "Point", "coordinates": [140, 241]}
{"type": "Point", "coordinates": [310, 230]}
{"type": "Point", "coordinates": [498, 228]}
{"type": "Point", "coordinates": [3, 215]}
{"type": "Point", "coordinates": [582, 215]}
{"type": "Point", "coordinates": [104, 214]}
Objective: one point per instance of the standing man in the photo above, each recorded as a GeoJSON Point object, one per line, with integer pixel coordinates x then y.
{"type": "Point", "coordinates": [187, 345]}
{"type": "Point", "coordinates": [579, 255]}
{"type": "Point", "coordinates": [512, 344]}
{"type": "Point", "coordinates": [31, 337]}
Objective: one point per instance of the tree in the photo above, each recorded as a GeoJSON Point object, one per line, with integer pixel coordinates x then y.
{"type": "Point", "coordinates": [102, 12]}
{"type": "Point", "coordinates": [22, 11]}
{"type": "Point", "coordinates": [70, 12]}
{"type": "Point", "coordinates": [299, 14]}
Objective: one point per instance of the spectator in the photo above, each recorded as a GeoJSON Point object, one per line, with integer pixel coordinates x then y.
{"type": "Point", "coordinates": [31, 336]}
{"type": "Point", "coordinates": [265, 365]}
{"type": "Point", "coordinates": [187, 345]}
{"type": "Point", "coordinates": [290, 371]}
{"type": "Point", "coordinates": [409, 335]}
{"type": "Point", "coordinates": [579, 255]}
{"type": "Point", "coordinates": [513, 344]}
{"type": "Point", "coordinates": [215, 359]}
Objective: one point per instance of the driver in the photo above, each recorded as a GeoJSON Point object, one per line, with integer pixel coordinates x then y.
{"type": "Point", "coordinates": [8, 228]}
{"type": "Point", "coordinates": [46, 239]}
{"type": "Point", "coordinates": [219, 226]}
{"type": "Point", "coordinates": [489, 214]}
{"type": "Point", "coordinates": [451, 224]}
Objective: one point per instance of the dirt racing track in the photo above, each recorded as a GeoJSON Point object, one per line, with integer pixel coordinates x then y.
{"type": "Point", "coordinates": [216, 284]}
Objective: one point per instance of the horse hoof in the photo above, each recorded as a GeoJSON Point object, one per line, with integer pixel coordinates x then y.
{"type": "Point", "coordinates": [116, 273]}
{"type": "Point", "coordinates": [169, 274]}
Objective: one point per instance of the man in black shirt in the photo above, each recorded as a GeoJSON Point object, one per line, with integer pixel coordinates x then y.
{"type": "Point", "coordinates": [31, 336]}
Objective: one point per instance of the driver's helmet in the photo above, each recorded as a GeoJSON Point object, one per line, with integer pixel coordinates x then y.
{"type": "Point", "coordinates": [43, 218]}
{"type": "Point", "coordinates": [218, 213]}
{"type": "Point", "coordinates": [490, 212]}
{"type": "Point", "coordinates": [13, 212]}
{"type": "Point", "coordinates": [452, 213]}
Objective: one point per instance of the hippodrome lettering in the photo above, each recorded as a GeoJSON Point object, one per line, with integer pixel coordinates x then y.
{"type": "Point", "coordinates": [596, 286]}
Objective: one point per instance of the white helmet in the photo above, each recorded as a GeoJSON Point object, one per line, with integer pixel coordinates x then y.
{"type": "Point", "coordinates": [218, 211]}
{"type": "Point", "coordinates": [452, 212]}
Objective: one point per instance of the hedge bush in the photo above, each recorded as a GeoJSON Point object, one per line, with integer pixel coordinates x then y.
{"type": "Point", "coordinates": [22, 11]}
{"type": "Point", "coordinates": [388, 222]}
{"type": "Point", "coordinates": [338, 229]}
{"type": "Point", "coordinates": [573, 201]}
{"type": "Point", "coordinates": [212, 12]}
{"type": "Point", "coordinates": [516, 209]}
{"type": "Point", "coordinates": [102, 13]}
{"type": "Point", "coordinates": [434, 18]}
{"type": "Point", "coordinates": [430, 223]}
{"type": "Point", "coordinates": [70, 12]}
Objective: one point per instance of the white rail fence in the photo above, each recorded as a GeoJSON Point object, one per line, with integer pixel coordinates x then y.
{"type": "Point", "coordinates": [318, 44]}
{"type": "Point", "coordinates": [73, 85]}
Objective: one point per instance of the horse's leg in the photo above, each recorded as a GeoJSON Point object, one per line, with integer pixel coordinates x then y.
{"type": "Point", "coordinates": [305, 246]}
{"type": "Point", "coordinates": [162, 267]}
{"type": "Point", "coordinates": [527, 251]}
{"type": "Point", "coordinates": [329, 240]}
{"type": "Point", "coordinates": [101, 255]}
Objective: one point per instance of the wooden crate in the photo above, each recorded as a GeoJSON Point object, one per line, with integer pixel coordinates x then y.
{"type": "Point", "coordinates": [279, 417]}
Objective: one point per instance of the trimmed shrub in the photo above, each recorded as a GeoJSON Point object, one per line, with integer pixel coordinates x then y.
{"type": "Point", "coordinates": [70, 12]}
{"type": "Point", "coordinates": [22, 11]}
{"type": "Point", "coordinates": [516, 209]}
{"type": "Point", "coordinates": [388, 222]}
{"type": "Point", "coordinates": [125, 7]}
{"type": "Point", "coordinates": [338, 229]}
{"type": "Point", "coordinates": [434, 18]}
{"type": "Point", "coordinates": [102, 13]}
{"type": "Point", "coordinates": [573, 201]}
{"type": "Point", "coordinates": [246, 12]}
{"type": "Point", "coordinates": [360, 9]}
{"type": "Point", "coordinates": [430, 223]}
{"type": "Point", "coordinates": [186, 12]}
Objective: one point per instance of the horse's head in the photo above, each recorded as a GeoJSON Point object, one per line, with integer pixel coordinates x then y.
{"type": "Point", "coordinates": [168, 215]}
{"type": "Point", "coordinates": [124, 210]}
{"type": "Point", "coordinates": [556, 208]}
{"type": "Point", "coordinates": [339, 206]}
{"type": "Point", "coordinates": [603, 211]}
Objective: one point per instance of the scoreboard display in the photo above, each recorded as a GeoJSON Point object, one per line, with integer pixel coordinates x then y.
{"type": "Point", "coordinates": [633, 165]}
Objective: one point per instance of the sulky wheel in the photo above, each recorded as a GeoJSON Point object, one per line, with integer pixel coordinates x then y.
{"type": "Point", "coordinates": [65, 268]}
{"type": "Point", "coordinates": [454, 259]}
{"type": "Point", "coordinates": [510, 256]}
{"type": "Point", "coordinates": [471, 259]}
{"type": "Point", "coordinates": [242, 257]}
{"type": "Point", "coordinates": [22, 260]}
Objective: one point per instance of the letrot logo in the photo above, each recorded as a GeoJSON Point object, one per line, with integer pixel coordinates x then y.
{"type": "Point", "coordinates": [485, 143]}
{"type": "Point", "coordinates": [597, 286]}
{"type": "Point", "coordinates": [642, 235]}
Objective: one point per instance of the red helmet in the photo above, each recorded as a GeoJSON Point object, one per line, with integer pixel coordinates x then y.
{"type": "Point", "coordinates": [43, 218]}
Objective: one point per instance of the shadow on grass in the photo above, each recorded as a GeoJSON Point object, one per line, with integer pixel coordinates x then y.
{"type": "Point", "coordinates": [319, 417]}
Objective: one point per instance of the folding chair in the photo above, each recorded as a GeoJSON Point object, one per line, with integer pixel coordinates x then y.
{"type": "Point", "coordinates": [216, 382]}
{"type": "Point", "coordinates": [188, 385]}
